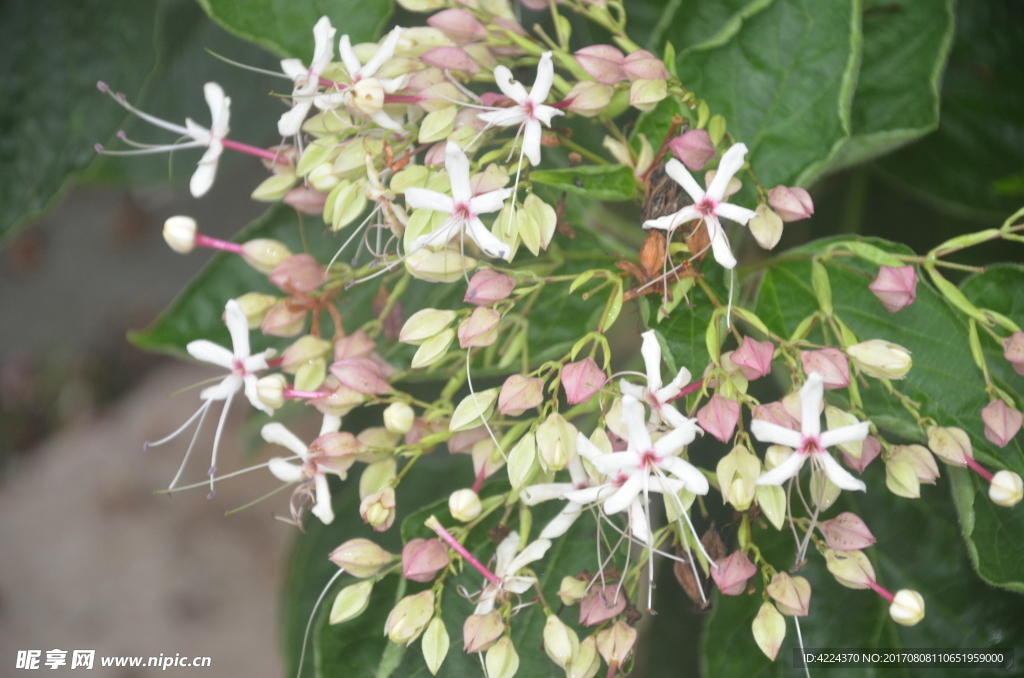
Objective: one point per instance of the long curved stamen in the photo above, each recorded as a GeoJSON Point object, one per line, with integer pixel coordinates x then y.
{"type": "Point", "coordinates": [216, 441]}
{"type": "Point", "coordinates": [479, 412]}
{"type": "Point", "coordinates": [151, 119]}
{"type": "Point", "coordinates": [204, 409]}
{"type": "Point", "coordinates": [309, 624]}
{"type": "Point", "coordinates": [682, 511]}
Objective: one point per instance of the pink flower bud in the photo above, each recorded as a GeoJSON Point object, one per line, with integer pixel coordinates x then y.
{"type": "Point", "coordinates": [458, 24]}
{"type": "Point", "coordinates": [601, 604]}
{"type": "Point", "coordinates": [306, 200]}
{"type": "Point", "coordinates": [480, 631]}
{"type": "Point", "coordinates": [339, 400]}
{"type": "Point", "coordinates": [495, 100]}
{"type": "Point", "coordinates": [719, 417]}
{"type": "Point", "coordinates": [895, 287]}
{"type": "Point", "coordinates": [282, 321]}
{"type": "Point", "coordinates": [491, 179]}
{"type": "Point", "coordinates": [950, 444]}
{"type": "Point", "coordinates": [731, 574]}
{"type": "Point", "coordinates": [356, 345]}
{"type": "Point", "coordinates": [831, 364]}
{"type": "Point", "coordinates": [488, 286]}
{"type": "Point", "coordinates": [694, 149]}
{"type": "Point", "coordinates": [463, 441]}
{"type": "Point", "coordinates": [869, 449]}
{"type": "Point", "coordinates": [361, 375]}
{"type": "Point", "coordinates": [581, 380]}
{"type": "Point", "coordinates": [298, 273]}
{"type": "Point", "coordinates": [1013, 351]}
{"type": "Point", "coordinates": [792, 595]}
{"type": "Point", "coordinates": [519, 394]}
{"type": "Point", "coordinates": [920, 460]}
{"type": "Point", "coordinates": [336, 451]}
{"type": "Point", "coordinates": [615, 643]}
{"type": "Point", "coordinates": [602, 62]}
{"type": "Point", "coordinates": [792, 203]}
{"type": "Point", "coordinates": [452, 58]}
{"type": "Point", "coordinates": [776, 413]}
{"type": "Point", "coordinates": [642, 65]}
{"type": "Point", "coordinates": [589, 98]}
{"type": "Point", "coordinates": [1002, 422]}
{"type": "Point", "coordinates": [423, 558]}
{"type": "Point", "coordinates": [480, 328]}
{"type": "Point", "coordinates": [847, 532]}
{"type": "Point", "coordinates": [435, 155]}
{"type": "Point", "coordinates": [754, 358]}
{"type": "Point", "coordinates": [360, 557]}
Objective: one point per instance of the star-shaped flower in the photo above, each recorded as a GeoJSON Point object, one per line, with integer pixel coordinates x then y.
{"type": "Point", "coordinates": [708, 205]}
{"type": "Point", "coordinates": [656, 395]}
{"type": "Point", "coordinates": [509, 562]}
{"type": "Point", "coordinates": [810, 442]}
{"type": "Point", "coordinates": [529, 111]}
{"type": "Point", "coordinates": [315, 463]}
{"type": "Point", "coordinates": [307, 80]}
{"type": "Point", "coordinates": [462, 207]}
{"type": "Point", "coordinates": [366, 92]}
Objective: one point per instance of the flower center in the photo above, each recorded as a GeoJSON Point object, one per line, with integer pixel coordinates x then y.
{"type": "Point", "coordinates": [707, 206]}
{"type": "Point", "coordinates": [238, 367]}
{"type": "Point", "coordinates": [528, 108]}
{"type": "Point", "coordinates": [810, 445]}
{"type": "Point", "coordinates": [649, 459]}
{"type": "Point", "coordinates": [462, 212]}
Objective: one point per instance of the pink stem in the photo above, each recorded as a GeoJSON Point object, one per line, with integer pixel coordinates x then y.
{"type": "Point", "coordinates": [880, 590]}
{"type": "Point", "coordinates": [324, 82]}
{"type": "Point", "coordinates": [461, 550]}
{"type": "Point", "coordinates": [480, 477]}
{"type": "Point", "coordinates": [402, 99]}
{"type": "Point", "coordinates": [275, 362]}
{"type": "Point", "coordinates": [215, 244]}
{"type": "Point", "coordinates": [979, 469]}
{"type": "Point", "coordinates": [695, 386]}
{"type": "Point", "coordinates": [273, 156]}
{"type": "Point", "coordinates": [564, 103]}
{"type": "Point", "coordinates": [309, 395]}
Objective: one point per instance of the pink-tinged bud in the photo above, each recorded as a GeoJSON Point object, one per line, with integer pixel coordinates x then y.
{"type": "Point", "coordinates": [754, 358]}
{"type": "Point", "coordinates": [458, 24]}
{"type": "Point", "coordinates": [488, 286]}
{"type": "Point", "coordinates": [847, 532]}
{"type": "Point", "coordinates": [1006, 489]}
{"type": "Point", "coordinates": [719, 417]}
{"type": "Point", "coordinates": [776, 413]}
{"type": "Point", "coordinates": [378, 509]}
{"type": "Point", "coordinates": [495, 100]}
{"type": "Point", "coordinates": [270, 390]}
{"type": "Point", "coordinates": [766, 227]}
{"type": "Point", "coordinates": [337, 400]}
{"type": "Point", "coordinates": [463, 441]}
{"type": "Point", "coordinates": [451, 58]}
{"type": "Point", "coordinates": [694, 149]}
{"type": "Point", "coordinates": [1002, 422]}
{"type": "Point", "coordinates": [792, 595]}
{"type": "Point", "coordinates": [895, 287]}
{"type": "Point", "coordinates": [1013, 351]}
{"type": "Point", "coordinates": [645, 95]}
{"type": "Point", "coordinates": [264, 254]}
{"type": "Point", "coordinates": [869, 449]}
{"type": "Point", "coordinates": [581, 380]}
{"type": "Point", "coordinates": [361, 375]}
{"type": "Point", "coordinates": [481, 631]}
{"type": "Point", "coordinates": [601, 604]}
{"type": "Point", "coordinates": [572, 590]}
{"type": "Point", "coordinates": [283, 321]}
{"type": "Point", "coordinates": [304, 350]}
{"type": "Point", "coordinates": [950, 444]}
{"type": "Point", "coordinates": [519, 394]}
{"type": "Point", "coordinates": [602, 62]}
{"type": "Point", "coordinates": [306, 200]}
{"type": "Point", "coordinates": [422, 559]}
{"type": "Point", "coordinates": [298, 273]}
{"type": "Point", "coordinates": [615, 643]}
{"type": "Point", "coordinates": [356, 345]}
{"type": "Point", "coordinates": [180, 234]}
{"type": "Point", "coordinates": [361, 558]}
{"type": "Point", "coordinates": [731, 574]}
{"type": "Point", "coordinates": [480, 328]}
{"type": "Point", "coordinates": [852, 569]}
{"type": "Point", "coordinates": [769, 629]}
{"type": "Point", "coordinates": [435, 155]}
{"type": "Point", "coordinates": [792, 203]}
{"type": "Point", "coordinates": [409, 617]}
{"type": "Point", "coordinates": [336, 451]}
{"type": "Point", "coordinates": [919, 459]}
{"type": "Point", "coordinates": [642, 65]}
{"type": "Point", "coordinates": [588, 98]}
{"type": "Point", "coordinates": [831, 364]}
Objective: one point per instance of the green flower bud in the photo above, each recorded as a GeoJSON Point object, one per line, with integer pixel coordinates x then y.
{"type": "Point", "coordinates": [351, 602]}
{"type": "Point", "coordinates": [881, 359]}
{"type": "Point", "coordinates": [435, 645]}
{"type": "Point", "coordinates": [501, 660]}
{"type": "Point", "coordinates": [769, 629]}
{"type": "Point", "coordinates": [409, 617]}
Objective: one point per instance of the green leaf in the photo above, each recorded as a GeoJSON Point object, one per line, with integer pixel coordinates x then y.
{"type": "Point", "coordinates": [285, 27]}
{"type": "Point", "coordinates": [684, 330]}
{"type": "Point", "coordinates": [897, 96]}
{"type": "Point", "coordinates": [784, 80]}
{"type": "Point", "coordinates": [597, 182]}
{"type": "Point", "coordinates": [691, 24]}
{"type": "Point", "coordinates": [52, 115]}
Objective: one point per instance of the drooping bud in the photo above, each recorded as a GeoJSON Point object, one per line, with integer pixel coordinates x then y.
{"type": "Point", "coordinates": [270, 390]}
{"type": "Point", "coordinates": [361, 375]}
{"type": "Point", "coordinates": [615, 643]}
{"type": "Point", "coordinates": [433, 349]}
{"type": "Point", "coordinates": [1002, 422]}
{"type": "Point", "coordinates": [602, 62]}
{"type": "Point", "coordinates": [792, 595]}
{"type": "Point", "coordinates": [852, 569]}
{"type": "Point", "coordinates": [556, 441]}
{"type": "Point", "coordinates": [480, 328]}
{"type": "Point", "coordinates": [435, 644]}
{"type": "Point", "coordinates": [731, 574]}
{"type": "Point", "coordinates": [422, 559]}
{"type": "Point", "coordinates": [351, 602]}
{"type": "Point", "coordinates": [1013, 351]}
{"type": "Point", "coordinates": [378, 509]}
{"type": "Point", "coordinates": [464, 505]}
{"type": "Point", "coordinates": [361, 558]}
{"type": "Point", "coordinates": [754, 358]}
{"type": "Point", "coordinates": [588, 98]}
{"type": "Point", "coordinates": [587, 662]}
{"type": "Point", "coordinates": [645, 94]}
{"type": "Point", "coordinates": [338, 400]}
{"type": "Point", "coordinates": [298, 273]}
{"type": "Point", "coordinates": [560, 642]}
{"type": "Point", "coordinates": [950, 444]}
{"type": "Point", "coordinates": [837, 418]}
{"type": "Point", "coordinates": [255, 307]}
{"type": "Point", "coordinates": [920, 459]}
{"type": "Point", "coordinates": [895, 287]}
{"type": "Point", "coordinates": [772, 500]}
{"type": "Point", "coordinates": [180, 234]}
{"type": "Point", "coordinates": [424, 324]}
{"type": "Point", "coordinates": [306, 200]}
{"type": "Point", "coordinates": [264, 254]}
{"type": "Point", "coordinates": [377, 476]}
{"type": "Point", "coordinates": [847, 532]}
{"type": "Point", "coordinates": [601, 604]}
{"type": "Point", "coordinates": [519, 394]}
{"type": "Point", "coordinates": [445, 266]}
{"type": "Point", "coordinates": [398, 418]}
{"type": "Point", "coordinates": [1006, 488]}
{"type": "Point", "coordinates": [642, 65]}
{"type": "Point", "coordinates": [480, 631]}
{"type": "Point", "coordinates": [719, 417]}
{"type": "Point", "coordinates": [766, 227]}
{"type": "Point", "coordinates": [522, 462]}
{"type": "Point", "coordinates": [572, 590]}
{"type": "Point", "coordinates": [501, 660]}
{"type": "Point", "coordinates": [488, 286]}
{"type": "Point", "coordinates": [737, 477]}
{"type": "Point", "coordinates": [831, 364]}
{"type": "Point", "coordinates": [869, 449]}
{"type": "Point", "coordinates": [275, 187]}
{"type": "Point", "coordinates": [769, 629]}
{"type": "Point", "coordinates": [693, 148]}
{"type": "Point", "coordinates": [881, 359]}
{"type": "Point", "coordinates": [907, 607]}
{"type": "Point", "coordinates": [581, 380]}
{"type": "Point", "coordinates": [901, 479]}
{"type": "Point", "coordinates": [792, 203]}
{"type": "Point", "coordinates": [409, 617]}
{"type": "Point", "coordinates": [307, 348]}
{"type": "Point", "coordinates": [458, 24]}
{"type": "Point", "coordinates": [451, 58]}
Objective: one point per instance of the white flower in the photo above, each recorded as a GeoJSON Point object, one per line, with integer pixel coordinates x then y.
{"type": "Point", "coordinates": [312, 466]}
{"type": "Point", "coordinates": [462, 207]}
{"type": "Point", "coordinates": [307, 80]}
{"type": "Point", "coordinates": [509, 562]}
{"type": "Point", "coordinates": [535, 494]}
{"type": "Point", "coordinates": [529, 111]}
{"type": "Point", "coordinates": [655, 394]}
{"type": "Point", "coordinates": [810, 441]}
{"type": "Point", "coordinates": [366, 93]}
{"type": "Point", "coordinates": [708, 205]}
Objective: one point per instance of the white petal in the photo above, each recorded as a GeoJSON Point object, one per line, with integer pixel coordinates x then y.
{"type": "Point", "coordinates": [536, 494]}
{"type": "Point", "coordinates": [435, 238]}
{"type": "Point", "coordinates": [741, 215]}
{"type": "Point", "coordinates": [674, 440]}
{"type": "Point", "coordinates": [576, 470]}
{"type": "Point", "coordinates": [608, 464]}
{"type": "Point", "coordinates": [651, 351]}
{"type": "Point", "coordinates": [290, 122]}
{"type": "Point", "coordinates": [485, 603]}
{"type": "Point", "coordinates": [348, 57]}
{"type": "Point", "coordinates": [277, 434]}
{"type": "Point", "coordinates": [784, 471]}
{"type": "Point", "coordinates": [561, 523]}
{"type": "Point", "coordinates": [392, 85]}
{"type": "Point", "coordinates": [638, 524]}
{"type": "Point", "coordinates": [331, 424]}
{"type": "Point", "coordinates": [503, 117]}
{"type": "Point", "coordinates": [254, 398]}
{"type": "Point", "coordinates": [209, 352]}
{"type": "Point", "coordinates": [284, 471]}
{"type": "Point", "coordinates": [673, 221]}
{"type": "Point", "coordinates": [720, 243]}
{"type": "Point", "coordinates": [221, 391]}
{"type": "Point", "coordinates": [531, 141]}
{"type": "Point", "coordinates": [508, 85]}
{"type": "Point", "coordinates": [589, 495]}
{"type": "Point", "coordinates": [322, 508]}
{"type": "Point", "coordinates": [506, 552]}
{"type": "Point", "coordinates": [767, 432]}
{"type": "Point", "coordinates": [636, 427]}
{"type": "Point", "coordinates": [625, 495]}
{"type": "Point", "coordinates": [487, 241]}
{"type": "Point", "coordinates": [531, 553]}
{"type": "Point", "coordinates": [545, 76]}
{"type": "Point", "coordinates": [682, 176]}
{"type": "Point", "coordinates": [587, 448]}
{"type": "Point", "coordinates": [545, 113]}
{"type": "Point", "coordinates": [694, 480]}
{"type": "Point", "coordinates": [323, 52]}
{"type": "Point", "coordinates": [220, 109]}
{"type": "Point", "coordinates": [638, 392]}
{"type": "Point", "coordinates": [810, 405]}
{"type": "Point", "coordinates": [383, 53]}
{"type": "Point", "coordinates": [518, 584]}
{"type": "Point", "coordinates": [492, 201]}
{"type": "Point", "coordinates": [838, 475]}
{"type": "Point", "coordinates": [293, 68]}
{"type": "Point", "coordinates": [258, 361]}
{"type": "Point", "coordinates": [457, 164]}
{"type": "Point", "coordinates": [846, 434]}
{"type": "Point", "coordinates": [387, 122]}
{"type": "Point", "coordinates": [424, 198]}
{"type": "Point", "coordinates": [731, 163]}
{"type": "Point", "coordinates": [675, 419]}
{"type": "Point", "coordinates": [672, 389]}
{"type": "Point", "coordinates": [238, 326]}
{"type": "Point", "coordinates": [206, 170]}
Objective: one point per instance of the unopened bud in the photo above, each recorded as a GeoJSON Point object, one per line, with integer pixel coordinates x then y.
{"type": "Point", "coordinates": [297, 273]}
{"type": "Point", "coordinates": [519, 394]}
{"type": "Point", "coordinates": [869, 449]}
{"type": "Point", "coordinates": [731, 574]}
{"type": "Point", "coordinates": [1013, 351]}
{"type": "Point", "coordinates": [895, 287]}
{"type": "Point", "coordinates": [901, 479]}
{"type": "Point", "coordinates": [480, 328]}
{"type": "Point", "coordinates": [398, 418]}
{"type": "Point", "coordinates": [645, 94]}
{"type": "Point", "coordinates": [556, 441]}
{"type": "Point", "coordinates": [453, 59]}
{"type": "Point", "coordinates": [831, 364]}
{"type": "Point", "coordinates": [824, 492]}
{"type": "Point", "coordinates": [587, 661]}
{"type": "Point", "coordinates": [754, 358]}
{"type": "Point", "coordinates": [368, 96]}
{"type": "Point", "coordinates": [772, 500]}
{"type": "Point", "coordinates": [837, 418]}
{"type": "Point", "coordinates": [307, 200]}
{"type": "Point", "coordinates": [589, 98]}
{"type": "Point", "coordinates": [920, 459]}
{"type": "Point", "coordinates": [1002, 422]}
{"type": "Point", "coordinates": [445, 266]}
{"type": "Point", "coordinates": [775, 413]}
{"type": "Point", "coordinates": [464, 505]}
{"type": "Point", "coordinates": [304, 350]}
{"type": "Point", "coordinates": [422, 559]}
{"type": "Point", "coordinates": [615, 643]}
{"type": "Point", "coordinates": [572, 590]}
{"type": "Point", "coordinates": [264, 254]}
{"type": "Point", "coordinates": [522, 462]}
{"type": "Point", "coordinates": [433, 349]}
{"type": "Point", "coordinates": [642, 65]}
{"type": "Point", "coordinates": [270, 390]}
{"type": "Point", "coordinates": [377, 476]}
{"type": "Point", "coordinates": [694, 149]}
{"type": "Point", "coordinates": [602, 604]}
{"type": "Point", "coordinates": [792, 595]}
{"type": "Point", "coordinates": [274, 187]}
{"type": "Point", "coordinates": [1006, 489]}
{"type": "Point", "coordinates": [950, 444]}
{"type": "Point", "coordinates": [487, 286]}
{"type": "Point", "coordinates": [180, 234]}
{"type": "Point", "coordinates": [351, 602]}
{"type": "Point", "coordinates": [560, 642]}
{"type": "Point", "coordinates": [425, 324]}
{"type": "Point", "coordinates": [907, 607]}
{"type": "Point", "coordinates": [435, 644]}
{"type": "Point", "coordinates": [501, 660]}
{"type": "Point", "coordinates": [847, 532]}
{"type": "Point", "coordinates": [409, 617]}
{"type": "Point", "coordinates": [852, 569]}
{"type": "Point", "coordinates": [481, 631]}
{"type": "Point", "coordinates": [283, 321]}
{"type": "Point", "coordinates": [881, 359]}
{"type": "Point", "coordinates": [769, 629]}
{"type": "Point", "coordinates": [323, 177]}
{"type": "Point", "coordinates": [378, 509]}
{"type": "Point", "coordinates": [602, 62]}
{"type": "Point", "coordinates": [766, 227]}
{"type": "Point", "coordinates": [719, 417]}
{"type": "Point", "coordinates": [361, 558]}
{"type": "Point", "coordinates": [582, 380]}
{"type": "Point", "coordinates": [737, 477]}
{"type": "Point", "coordinates": [255, 307]}
{"type": "Point", "coordinates": [792, 203]}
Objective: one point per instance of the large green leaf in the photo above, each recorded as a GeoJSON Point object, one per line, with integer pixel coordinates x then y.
{"type": "Point", "coordinates": [52, 115]}
{"type": "Point", "coordinates": [285, 27]}
{"type": "Point", "coordinates": [688, 24]}
{"type": "Point", "coordinates": [597, 182]}
{"type": "Point", "coordinates": [784, 80]}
